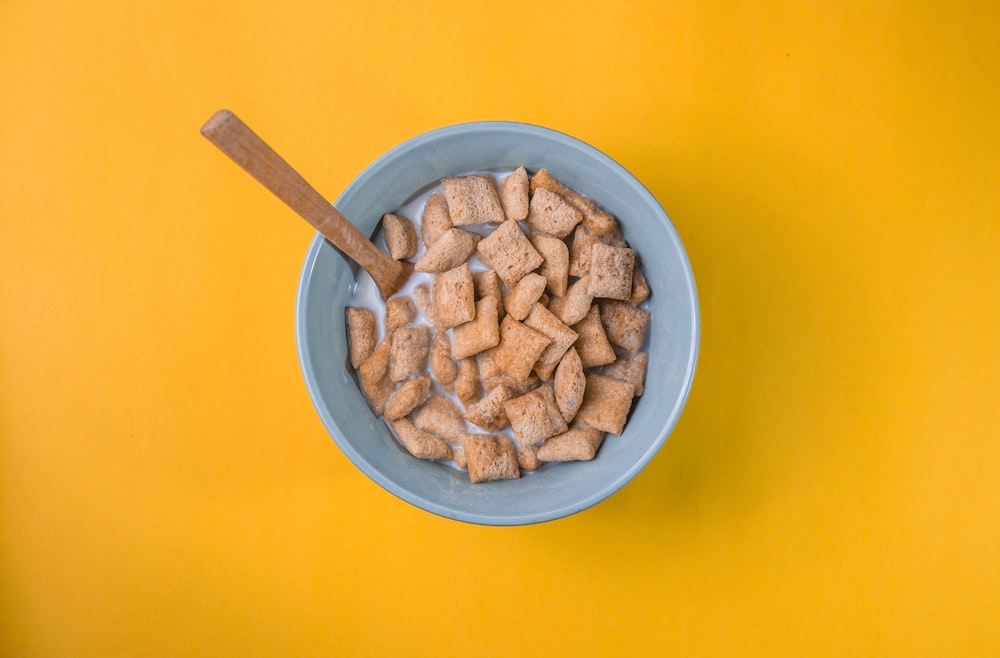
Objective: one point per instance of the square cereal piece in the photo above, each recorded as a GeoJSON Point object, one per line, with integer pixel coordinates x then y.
{"type": "Point", "coordinates": [625, 325]}
{"type": "Point", "coordinates": [400, 236]}
{"type": "Point", "coordinates": [443, 368]}
{"type": "Point", "coordinates": [593, 345]}
{"type": "Point", "coordinates": [490, 457]}
{"type": "Point", "coordinates": [611, 271]}
{"type": "Point", "coordinates": [535, 416]}
{"type": "Point", "coordinates": [514, 194]}
{"type": "Point", "coordinates": [527, 458]}
{"type": "Point", "coordinates": [522, 296]}
{"type": "Point", "coordinates": [362, 334]}
{"type": "Point", "coordinates": [519, 348]}
{"type": "Point", "coordinates": [595, 218]}
{"type": "Point", "coordinates": [467, 384]}
{"type": "Point", "coordinates": [562, 337]}
{"type": "Point", "coordinates": [487, 284]}
{"type": "Point", "coordinates": [640, 286]}
{"type": "Point", "coordinates": [450, 250]}
{"type": "Point", "coordinates": [374, 377]}
{"type": "Point", "coordinates": [555, 262]}
{"type": "Point", "coordinates": [399, 312]}
{"type": "Point", "coordinates": [435, 219]}
{"type": "Point", "coordinates": [579, 252]}
{"type": "Point", "coordinates": [574, 306]}
{"type": "Point", "coordinates": [410, 347]}
{"type": "Point", "coordinates": [488, 368]}
{"type": "Point", "coordinates": [418, 442]}
{"type": "Point", "coordinates": [441, 417]}
{"type": "Point", "coordinates": [576, 444]}
{"type": "Point", "coordinates": [472, 200]}
{"type": "Point", "coordinates": [407, 396]}
{"type": "Point", "coordinates": [509, 252]}
{"type": "Point", "coordinates": [629, 367]}
{"type": "Point", "coordinates": [454, 297]}
{"type": "Point", "coordinates": [488, 412]}
{"type": "Point", "coordinates": [551, 214]}
{"type": "Point", "coordinates": [606, 403]}
{"type": "Point", "coordinates": [481, 333]}
{"type": "Point", "coordinates": [569, 384]}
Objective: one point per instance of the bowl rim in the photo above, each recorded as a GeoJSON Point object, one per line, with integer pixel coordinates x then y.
{"type": "Point", "coordinates": [331, 425]}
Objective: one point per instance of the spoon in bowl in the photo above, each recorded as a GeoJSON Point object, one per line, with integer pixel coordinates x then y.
{"type": "Point", "coordinates": [239, 142]}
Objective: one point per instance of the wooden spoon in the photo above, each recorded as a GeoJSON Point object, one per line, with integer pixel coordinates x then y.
{"type": "Point", "coordinates": [249, 151]}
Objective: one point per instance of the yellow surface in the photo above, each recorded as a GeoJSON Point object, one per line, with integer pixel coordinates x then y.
{"type": "Point", "coordinates": [832, 489]}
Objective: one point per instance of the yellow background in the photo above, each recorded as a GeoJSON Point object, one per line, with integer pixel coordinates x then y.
{"type": "Point", "coordinates": [832, 489]}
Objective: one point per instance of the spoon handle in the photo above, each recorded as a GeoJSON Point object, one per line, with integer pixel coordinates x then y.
{"type": "Point", "coordinates": [249, 151]}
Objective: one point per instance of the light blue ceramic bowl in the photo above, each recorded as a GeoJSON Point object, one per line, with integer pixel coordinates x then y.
{"type": "Point", "coordinates": [557, 490]}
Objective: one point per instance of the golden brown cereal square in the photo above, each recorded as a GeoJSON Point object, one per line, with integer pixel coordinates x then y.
{"type": "Point", "coordinates": [514, 194]}
{"type": "Point", "coordinates": [407, 396]}
{"type": "Point", "coordinates": [488, 412]}
{"type": "Point", "coordinates": [481, 333]}
{"type": "Point", "coordinates": [509, 252]}
{"type": "Point", "coordinates": [374, 377]}
{"type": "Point", "coordinates": [579, 252]}
{"type": "Point", "coordinates": [400, 236]}
{"type": "Point", "coordinates": [435, 220]}
{"type": "Point", "coordinates": [555, 262]}
{"type": "Point", "coordinates": [444, 369]}
{"type": "Point", "coordinates": [551, 214]}
{"type": "Point", "coordinates": [640, 287]}
{"type": "Point", "coordinates": [490, 457]}
{"type": "Point", "coordinates": [527, 458]}
{"type": "Point", "coordinates": [576, 444]}
{"type": "Point", "coordinates": [625, 325]}
{"type": "Point", "coordinates": [487, 284]}
{"type": "Point", "coordinates": [595, 218]}
{"type": "Point", "coordinates": [418, 442]}
{"type": "Point", "coordinates": [569, 384]}
{"type": "Point", "coordinates": [534, 416]}
{"type": "Point", "coordinates": [362, 334]}
{"type": "Point", "coordinates": [410, 347]}
{"type": "Point", "coordinates": [593, 345]}
{"type": "Point", "coordinates": [454, 297]}
{"type": "Point", "coordinates": [522, 296]}
{"type": "Point", "coordinates": [467, 384]}
{"type": "Point", "coordinates": [399, 312]}
{"type": "Point", "coordinates": [562, 337]}
{"type": "Point", "coordinates": [450, 250]}
{"type": "Point", "coordinates": [606, 403]}
{"type": "Point", "coordinates": [519, 348]}
{"type": "Point", "coordinates": [441, 417]}
{"type": "Point", "coordinates": [610, 271]}
{"type": "Point", "coordinates": [629, 367]}
{"type": "Point", "coordinates": [574, 306]}
{"type": "Point", "coordinates": [472, 200]}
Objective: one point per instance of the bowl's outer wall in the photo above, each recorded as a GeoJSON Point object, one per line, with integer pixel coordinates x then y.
{"type": "Point", "coordinates": [327, 283]}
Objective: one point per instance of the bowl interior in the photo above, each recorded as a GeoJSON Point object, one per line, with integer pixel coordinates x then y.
{"type": "Point", "coordinates": [327, 283]}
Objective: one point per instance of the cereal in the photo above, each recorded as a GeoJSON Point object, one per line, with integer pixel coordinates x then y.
{"type": "Point", "coordinates": [555, 262]}
{"type": "Point", "coordinates": [418, 442]}
{"type": "Point", "coordinates": [362, 335]}
{"type": "Point", "coordinates": [472, 200]}
{"type": "Point", "coordinates": [480, 333]}
{"type": "Point", "coordinates": [550, 213]}
{"type": "Point", "coordinates": [540, 350]}
{"type": "Point", "coordinates": [490, 457]}
{"type": "Point", "coordinates": [625, 324]}
{"type": "Point", "coordinates": [509, 252]}
{"type": "Point", "coordinates": [576, 444]}
{"type": "Point", "coordinates": [406, 397]}
{"type": "Point", "coordinates": [514, 195]}
{"type": "Point", "coordinates": [534, 416]}
{"type": "Point", "coordinates": [400, 236]}
{"type": "Point", "coordinates": [453, 296]}
{"type": "Point", "coordinates": [408, 357]}
{"type": "Point", "coordinates": [435, 220]}
{"type": "Point", "coordinates": [399, 312]}
{"type": "Point", "coordinates": [606, 403]}
{"type": "Point", "coordinates": [629, 367]}
{"type": "Point", "coordinates": [448, 252]}
{"type": "Point", "coordinates": [610, 271]}
{"type": "Point", "coordinates": [593, 345]}
{"type": "Point", "coordinates": [522, 296]}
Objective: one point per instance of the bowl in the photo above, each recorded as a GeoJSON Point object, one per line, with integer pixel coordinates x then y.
{"type": "Point", "coordinates": [557, 490]}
